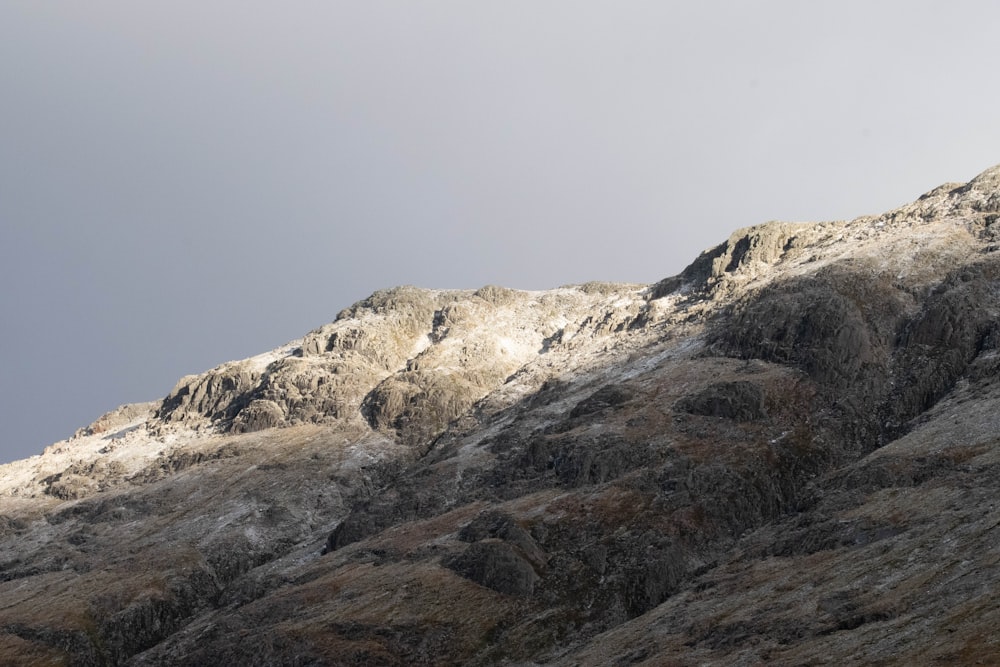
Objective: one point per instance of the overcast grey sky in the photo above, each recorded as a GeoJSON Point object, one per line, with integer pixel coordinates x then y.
{"type": "Point", "coordinates": [183, 183]}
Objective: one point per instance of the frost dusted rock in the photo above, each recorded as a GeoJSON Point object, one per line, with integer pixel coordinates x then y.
{"type": "Point", "coordinates": [122, 417]}
{"type": "Point", "coordinates": [787, 454]}
{"type": "Point", "coordinates": [407, 360]}
{"type": "Point", "coordinates": [216, 396]}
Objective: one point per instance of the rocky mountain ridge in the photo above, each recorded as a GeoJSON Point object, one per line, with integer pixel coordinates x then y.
{"type": "Point", "coordinates": [784, 455]}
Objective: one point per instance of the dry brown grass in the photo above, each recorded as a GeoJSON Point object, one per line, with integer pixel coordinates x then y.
{"type": "Point", "coordinates": [17, 652]}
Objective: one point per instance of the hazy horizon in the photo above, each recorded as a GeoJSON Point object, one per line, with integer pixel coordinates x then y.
{"type": "Point", "coordinates": [183, 184]}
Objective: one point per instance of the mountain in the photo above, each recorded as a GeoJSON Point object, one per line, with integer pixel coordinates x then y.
{"type": "Point", "coordinates": [787, 455]}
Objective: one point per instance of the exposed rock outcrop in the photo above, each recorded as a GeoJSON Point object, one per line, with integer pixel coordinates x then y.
{"type": "Point", "coordinates": [786, 454]}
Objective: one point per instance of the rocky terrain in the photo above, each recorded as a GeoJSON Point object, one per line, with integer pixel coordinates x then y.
{"type": "Point", "coordinates": [786, 455]}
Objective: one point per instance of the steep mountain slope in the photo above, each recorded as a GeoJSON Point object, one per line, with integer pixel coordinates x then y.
{"type": "Point", "coordinates": [784, 455]}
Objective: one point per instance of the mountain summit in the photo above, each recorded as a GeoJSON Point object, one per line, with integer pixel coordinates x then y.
{"type": "Point", "coordinates": [785, 455]}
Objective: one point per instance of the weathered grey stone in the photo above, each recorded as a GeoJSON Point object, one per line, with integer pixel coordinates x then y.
{"type": "Point", "coordinates": [739, 400]}
{"type": "Point", "coordinates": [785, 455]}
{"type": "Point", "coordinates": [495, 565]}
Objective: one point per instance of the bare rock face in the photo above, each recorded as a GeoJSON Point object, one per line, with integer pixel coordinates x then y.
{"type": "Point", "coordinates": [740, 400]}
{"type": "Point", "coordinates": [407, 360]}
{"type": "Point", "coordinates": [784, 455]}
{"type": "Point", "coordinates": [497, 566]}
